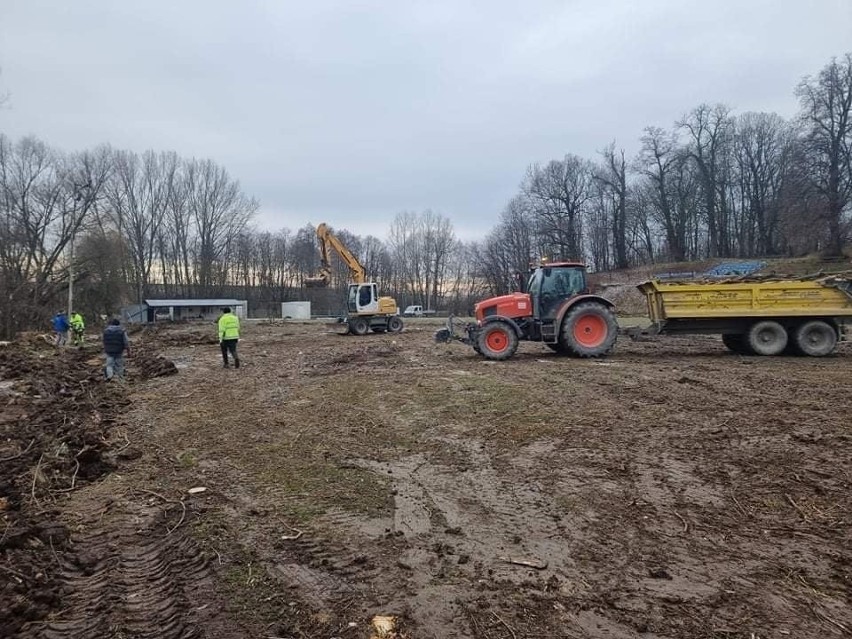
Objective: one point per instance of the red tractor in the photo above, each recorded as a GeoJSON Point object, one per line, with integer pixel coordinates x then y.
{"type": "Point", "coordinates": [557, 309]}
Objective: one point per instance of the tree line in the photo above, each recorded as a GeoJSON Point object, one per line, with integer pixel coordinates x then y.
{"type": "Point", "coordinates": [126, 226]}
{"type": "Point", "coordinates": [714, 185]}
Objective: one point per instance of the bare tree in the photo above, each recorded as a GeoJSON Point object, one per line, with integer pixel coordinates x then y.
{"type": "Point", "coordinates": [708, 128]}
{"type": "Point", "coordinates": [220, 212]}
{"type": "Point", "coordinates": [826, 116]}
{"type": "Point", "coordinates": [762, 149]}
{"type": "Point", "coordinates": [45, 199]}
{"type": "Point", "coordinates": [560, 192]}
{"type": "Point", "coordinates": [658, 161]}
{"type": "Point", "coordinates": [613, 176]}
{"type": "Point", "coordinates": [138, 194]}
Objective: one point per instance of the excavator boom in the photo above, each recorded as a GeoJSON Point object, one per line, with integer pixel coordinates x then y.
{"type": "Point", "coordinates": [327, 240]}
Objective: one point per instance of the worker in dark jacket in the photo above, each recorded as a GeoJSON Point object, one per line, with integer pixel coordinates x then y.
{"type": "Point", "coordinates": [229, 335]}
{"type": "Point", "coordinates": [116, 345]}
{"type": "Point", "coordinates": [60, 327]}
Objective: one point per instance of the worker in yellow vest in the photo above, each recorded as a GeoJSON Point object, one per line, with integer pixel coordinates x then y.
{"type": "Point", "coordinates": [229, 335]}
{"type": "Point", "coordinates": [78, 327]}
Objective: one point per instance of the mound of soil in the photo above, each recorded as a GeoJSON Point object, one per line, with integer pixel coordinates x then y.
{"type": "Point", "coordinates": [57, 432]}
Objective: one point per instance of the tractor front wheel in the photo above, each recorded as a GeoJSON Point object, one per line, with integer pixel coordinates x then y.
{"type": "Point", "coordinates": [497, 341]}
{"type": "Point", "coordinates": [588, 330]}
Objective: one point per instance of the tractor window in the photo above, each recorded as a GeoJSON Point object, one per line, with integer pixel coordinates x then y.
{"type": "Point", "coordinates": [558, 285]}
{"type": "Point", "coordinates": [534, 289]}
{"type": "Point", "coordinates": [551, 291]}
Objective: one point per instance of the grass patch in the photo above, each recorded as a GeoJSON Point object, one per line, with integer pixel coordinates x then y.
{"type": "Point", "coordinates": [328, 485]}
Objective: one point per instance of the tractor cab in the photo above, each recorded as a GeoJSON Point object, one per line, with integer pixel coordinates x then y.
{"type": "Point", "coordinates": [552, 284]}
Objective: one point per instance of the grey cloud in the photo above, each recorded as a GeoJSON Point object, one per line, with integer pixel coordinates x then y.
{"type": "Point", "coordinates": [355, 111]}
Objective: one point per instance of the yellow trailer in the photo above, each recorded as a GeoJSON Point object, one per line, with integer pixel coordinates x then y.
{"type": "Point", "coordinates": [756, 316]}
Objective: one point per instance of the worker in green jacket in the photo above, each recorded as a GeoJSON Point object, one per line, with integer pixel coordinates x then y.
{"type": "Point", "coordinates": [78, 327]}
{"type": "Point", "coordinates": [229, 335]}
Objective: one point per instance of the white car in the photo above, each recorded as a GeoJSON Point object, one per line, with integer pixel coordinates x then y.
{"type": "Point", "coordinates": [413, 311]}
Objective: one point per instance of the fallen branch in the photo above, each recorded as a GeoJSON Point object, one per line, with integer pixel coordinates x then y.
{"type": "Point", "coordinates": [73, 479]}
{"type": "Point", "coordinates": [796, 506]}
{"type": "Point", "coordinates": [21, 454]}
{"type": "Point", "coordinates": [508, 627]}
{"type": "Point", "coordinates": [298, 532]}
{"type": "Point", "coordinates": [683, 521]}
{"type": "Point", "coordinates": [35, 477]}
{"type": "Point", "coordinates": [537, 565]}
{"type": "Point", "coordinates": [14, 572]}
{"type": "Point", "coordinates": [171, 529]}
{"type": "Point", "coordinates": [833, 622]}
{"type": "Point", "coordinates": [739, 506]}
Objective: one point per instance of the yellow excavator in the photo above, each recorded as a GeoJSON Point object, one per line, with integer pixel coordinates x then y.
{"type": "Point", "coordinates": [366, 311]}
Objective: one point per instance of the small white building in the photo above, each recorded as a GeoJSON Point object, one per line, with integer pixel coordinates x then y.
{"type": "Point", "coordinates": [206, 309]}
{"type": "Point", "coordinates": [295, 310]}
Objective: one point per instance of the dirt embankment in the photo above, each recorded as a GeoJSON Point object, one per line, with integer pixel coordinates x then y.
{"type": "Point", "coordinates": [60, 430]}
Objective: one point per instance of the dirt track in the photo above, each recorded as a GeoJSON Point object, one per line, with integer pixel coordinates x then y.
{"type": "Point", "coordinates": [671, 490]}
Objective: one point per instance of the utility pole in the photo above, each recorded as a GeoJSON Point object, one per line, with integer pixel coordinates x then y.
{"type": "Point", "coordinates": [78, 195]}
{"type": "Point", "coordinates": [71, 278]}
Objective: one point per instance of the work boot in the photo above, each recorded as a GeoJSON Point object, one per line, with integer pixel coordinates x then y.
{"type": "Point", "coordinates": [225, 365]}
{"type": "Point", "coordinates": [236, 362]}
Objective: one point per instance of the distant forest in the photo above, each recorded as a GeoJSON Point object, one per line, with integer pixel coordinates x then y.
{"type": "Point", "coordinates": [717, 184]}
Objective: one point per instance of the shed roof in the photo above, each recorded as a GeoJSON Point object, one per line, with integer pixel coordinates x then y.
{"type": "Point", "coordinates": [198, 302]}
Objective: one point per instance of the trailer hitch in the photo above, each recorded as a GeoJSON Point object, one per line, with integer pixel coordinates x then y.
{"type": "Point", "coordinates": [455, 331]}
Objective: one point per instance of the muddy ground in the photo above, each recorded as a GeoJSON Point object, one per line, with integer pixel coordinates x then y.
{"type": "Point", "coordinates": [670, 490]}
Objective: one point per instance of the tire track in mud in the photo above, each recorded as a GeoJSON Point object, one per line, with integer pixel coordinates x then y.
{"type": "Point", "coordinates": [320, 570]}
{"type": "Point", "coordinates": [130, 580]}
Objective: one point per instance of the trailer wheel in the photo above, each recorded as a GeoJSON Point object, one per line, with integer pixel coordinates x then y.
{"type": "Point", "coordinates": [767, 338]}
{"type": "Point", "coordinates": [816, 338]}
{"type": "Point", "coordinates": [588, 330]}
{"type": "Point", "coordinates": [359, 326]}
{"type": "Point", "coordinates": [394, 324]}
{"type": "Point", "coordinates": [736, 343]}
{"type": "Point", "coordinates": [497, 340]}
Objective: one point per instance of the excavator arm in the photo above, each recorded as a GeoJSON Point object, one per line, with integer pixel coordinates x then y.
{"type": "Point", "coordinates": [328, 242]}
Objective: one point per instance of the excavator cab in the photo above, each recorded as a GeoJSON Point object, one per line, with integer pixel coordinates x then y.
{"type": "Point", "coordinates": [363, 298]}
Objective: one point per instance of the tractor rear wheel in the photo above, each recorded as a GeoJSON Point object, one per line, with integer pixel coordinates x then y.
{"type": "Point", "coordinates": [497, 340]}
{"type": "Point", "coordinates": [359, 326]}
{"type": "Point", "coordinates": [767, 338]}
{"type": "Point", "coordinates": [588, 330]}
{"type": "Point", "coordinates": [815, 338]}
{"type": "Point", "coordinates": [736, 343]}
{"type": "Point", "coordinates": [394, 324]}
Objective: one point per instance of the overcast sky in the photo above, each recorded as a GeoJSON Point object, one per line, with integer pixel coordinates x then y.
{"type": "Point", "coordinates": [349, 112]}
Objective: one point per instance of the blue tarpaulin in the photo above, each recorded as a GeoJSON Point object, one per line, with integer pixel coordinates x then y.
{"type": "Point", "coordinates": [725, 269]}
{"type": "Point", "coordinates": [733, 269]}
